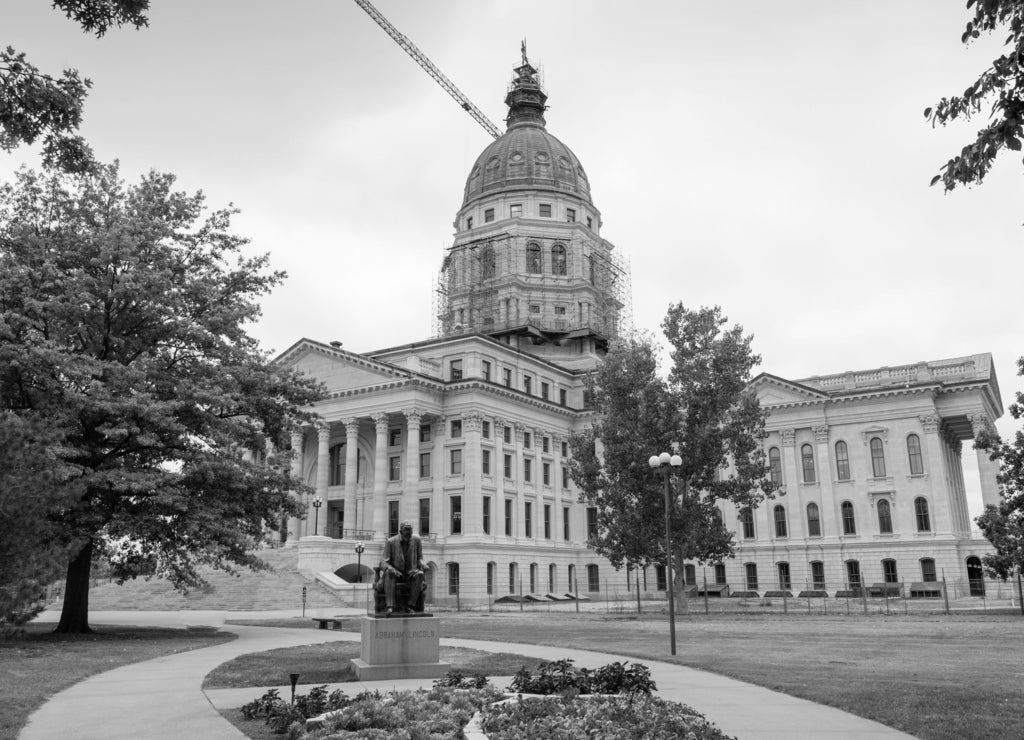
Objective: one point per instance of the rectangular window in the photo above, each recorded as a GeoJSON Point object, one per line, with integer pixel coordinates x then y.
{"type": "Point", "coordinates": [394, 468]}
{"type": "Point", "coordinates": [889, 571]}
{"type": "Point", "coordinates": [593, 578]}
{"type": "Point", "coordinates": [818, 575]}
{"type": "Point", "coordinates": [784, 582]}
{"type": "Point", "coordinates": [424, 465]}
{"type": "Point", "coordinates": [547, 521]}
{"type": "Point", "coordinates": [565, 523]}
{"type": "Point", "coordinates": [506, 434]}
{"type": "Point", "coordinates": [527, 470]}
{"type": "Point", "coordinates": [545, 210]}
{"type": "Point", "coordinates": [527, 440]}
{"type": "Point", "coordinates": [488, 215]}
{"type": "Point", "coordinates": [545, 391]}
{"type": "Point", "coordinates": [424, 432]}
{"type": "Point", "coordinates": [559, 310]}
{"type": "Point", "coordinates": [546, 474]}
{"type": "Point", "coordinates": [424, 516]}
{"type": "Point", "coordinates": [491, 568]}
{"type": "Point", "coordinates": [534, 308]}
{"type": "Point", "coordinates": [570, 214]}
{"type": "Point", "coordinates": [455, 370]}
{"type": "Point", "coordinates": [487, 514]}
{"type": "Point", "coordinates": [747, 518]}
{"type": "Point", "coordinates": [661, 583]}
{"type": "Point", "coordinates": [485, 429]}
{"type": "Point", "coordinates": [515, 210]}
{"type": "Point", "coordinates": [565, 449]}
{"type": "Point", "coordinates": [508, 467]}
{"type": "Point", "coordinates": [487, 371]}
{"type": "Point", "coordinates": [528, 520]}
{"type": "Point", "coordinates": [456, 428]}
{"type": "Point", "coordinates": [506, 374]}
{"type": "Point", "coordinates": [512, 578]}
{"type": "Point", "coordinates": [720, 574]}
{"type": "Point", "coordinates": [394, 437]}
{"type": "Point", "coordinates": [565, 477]}
{"type": "Point", "coordinates": [527, 385]}
{"type": "Point", "coordinates": [453, 579]}
{"type": "Point", "coordinates": [928, 570]}
{"type": "Point", "coordinates": [456, 509]}
{"type": "Point", "coordinates": [853, 573]}
{"type": "Point", "coordinates": [509, 503]}
{"type": "Point", "coordinates": [591, 522]}
{"type": "Point", "coordinates": [456, 460]}
{"type": "Point", "coordinates": [393, 518]}
{"type": "Point", "coordinates": [590, 222]}
{"type": "Point", "coordinates": [485, 462]}
{"type": "Point", "coordinates": [469, 222]}
{"type": "Point", "coordinates": [545, 444]}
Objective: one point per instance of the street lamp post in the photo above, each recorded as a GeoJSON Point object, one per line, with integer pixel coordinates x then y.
{"type": "Point", "coordinates": [317, 503]}
{"type": "Point", "coordinates": [662, 463]}
{"type": "Point", "coordinates": [359, 561]}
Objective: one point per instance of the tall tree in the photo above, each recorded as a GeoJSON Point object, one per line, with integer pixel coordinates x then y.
{"type": "Point", "coordinates": [1000, 86]}
{"type": "Point", "coordinates": [38, 106]}
{"type": "Point", "coordinates": [703, 411]}
{"type": "Point", "coordinates": [1003, 525]}
{"type": "Point", "coordinates": [122, 329]}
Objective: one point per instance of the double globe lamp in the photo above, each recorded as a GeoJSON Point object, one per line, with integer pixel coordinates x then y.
{"type": "Point", "coordinates": [664, 463]}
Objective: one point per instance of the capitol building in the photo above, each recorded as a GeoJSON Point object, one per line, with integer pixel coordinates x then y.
{"type": "Point", "coordinates": [466, 433]}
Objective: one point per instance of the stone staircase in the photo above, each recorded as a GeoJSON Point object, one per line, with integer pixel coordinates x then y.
{"type": "Point", "coordinates": [279, 588]}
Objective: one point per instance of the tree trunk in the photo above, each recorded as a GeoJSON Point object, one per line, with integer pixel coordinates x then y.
{"type": "Point", "coordinates": [74, 617]}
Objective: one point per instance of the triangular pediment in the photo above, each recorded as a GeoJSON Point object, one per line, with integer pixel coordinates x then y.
{"type": "Point", "coordinates": [773, 391]}
{"type": "Point", "coordinates": [337, 368]}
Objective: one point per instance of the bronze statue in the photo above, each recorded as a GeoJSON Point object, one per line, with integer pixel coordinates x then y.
{"type": "Point", "coordinates": [402, 565]}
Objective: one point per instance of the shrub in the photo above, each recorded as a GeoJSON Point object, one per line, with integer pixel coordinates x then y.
{"type": "Point", "coordinates": [460, 680]}
{"type": "Point", "coordinates": [560, 677]}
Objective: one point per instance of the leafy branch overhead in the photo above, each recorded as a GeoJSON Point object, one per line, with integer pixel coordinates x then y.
{"type": "Point", "coordinates": [1001, 86]}
{"type": "Point", "coordinates": [37, 106]}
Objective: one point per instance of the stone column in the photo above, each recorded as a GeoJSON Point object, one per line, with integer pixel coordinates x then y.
{"type": "Point", "coordinates": [323, 464]}
{"type": "Point", "coordinates": [793, 475]}
{"type": "Point", "coordinates": [963, 517]}
{"type": "Point", "coordinates": [556, 484]}
{"type": "Point", "coordinates": [940, 503]}
{"type": "Point", "coordinates": [438, 511]}
{"type": "Point", "coordinates": [293, 524]}
{"type": "Point", "coordinates": [411, 485]}
{"type": "Point", "coordinates": [472, 496]}
{"type": "Point", "coordinates": [517, 525]}
{"type": "Point", "coordinates": [351, 471]}
{"type": "Point", "coordinates": [380, 476]}
{"type": "Point", "coordinates": [987, 469]}
{"type": "Point", "coordinates": [830, 526]}
{"type": "Point", "coordinates": [499, 476]}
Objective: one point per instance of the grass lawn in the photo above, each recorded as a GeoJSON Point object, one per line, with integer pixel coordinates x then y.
{"type": "Point", "coordinates": [936, 677]}
{"type": "Point", "coordinates": [38, 664]}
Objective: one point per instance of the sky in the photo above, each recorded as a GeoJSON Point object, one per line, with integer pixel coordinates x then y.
{"type": "Point", "coordinates": [770, 158]}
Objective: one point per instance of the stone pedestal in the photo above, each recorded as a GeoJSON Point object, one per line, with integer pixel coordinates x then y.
{"type": "Point", "coordinates": [400, 647]}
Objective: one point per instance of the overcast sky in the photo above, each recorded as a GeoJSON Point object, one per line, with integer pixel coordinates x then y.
{"type": "Point", "coordinates": [771, 158]}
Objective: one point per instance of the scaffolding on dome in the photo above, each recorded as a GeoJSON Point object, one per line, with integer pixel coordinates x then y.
{"type": "Point", "coordinates": [483, 287]}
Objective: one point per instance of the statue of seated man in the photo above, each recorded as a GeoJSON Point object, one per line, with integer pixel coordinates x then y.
{"type": "Point", "coordinates": [403, 563]}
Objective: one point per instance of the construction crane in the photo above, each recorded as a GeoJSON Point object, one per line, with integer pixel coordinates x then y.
{"type": "Point", "coordinates": [433, 71]}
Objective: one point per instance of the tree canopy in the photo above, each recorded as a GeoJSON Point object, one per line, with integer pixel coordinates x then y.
{"type": "Point", "coordinates": [1000, 87]}
{"type": "Point", "coordinates": [39, 106]}
{"type": "Point", "coordinates": [123, 313]}
{"type": "Point", "coordinates": [703, 411]}
{"type": "Point", "coordinates": [1003, 526]}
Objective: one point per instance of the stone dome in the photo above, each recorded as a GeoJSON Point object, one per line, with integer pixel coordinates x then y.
{"type": "Point", "coordinates": [526, 156]}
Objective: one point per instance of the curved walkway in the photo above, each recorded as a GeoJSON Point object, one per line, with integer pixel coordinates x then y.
{"type": "Point", "coordinates": [163, 698]}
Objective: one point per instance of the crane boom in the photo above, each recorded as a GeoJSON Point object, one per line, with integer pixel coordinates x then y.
{"type": "Point", "coordinates": [428, 66]}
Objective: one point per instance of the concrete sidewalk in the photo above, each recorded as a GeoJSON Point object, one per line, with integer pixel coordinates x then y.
{"type": "Point", "coordinates": [163, 698]}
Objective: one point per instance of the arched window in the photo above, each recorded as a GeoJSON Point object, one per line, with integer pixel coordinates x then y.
{"type": "Point", "coordinates": [849, 523]}
{"type": "Point", "coordinates": [877, 458]}
{"type": "Point", "coordinates": [928, 574]}
{"type": "Point", "coordinates": [884, 518]}
{"type": "Point", "coordinates": [558, 260]}
{"type": "Point", "coordinates": [487, 262]}
{"type": "Point", "coordinates": [817, 575]}
{"type": "Point", "coordinates": [552, 577]}
{"type": "Point", "coordinates": [533, 578]}
{"type": "Point", "coordinates": [453, 579]}
{"type": "Point", "coordinates": [813, 520]}
{"type": "Point", "coordinates": [746, 517]}
{"type": "Point", "coordinates": [492, 573]}
{"type": "Point", "coordinates": [975, 576]}
{"type": "Point", "coordinates": [593, 578]}
{"type": "Point", "coordinates": [842, 461]}
{"type": "Point", "coordinates": [572, 578]}
{"type": "Point", "coordinates": [751, 573]}
{"type": "Point", "coordinates": [511, 578]}
{"type": "Point", "coordinates": [853, 574]}
{"type": "Point", "coordinates": [914, 455]}
{"type": "Point", "coordinates": [689, 575]}
{"type": "Point", "coordinates": [533, 258]}
{"type": "Point", "coordinates": [889, 574]}
{"type": "Point", "coordinates": [924, 522]}
{"type": "Point", "coordinates": [780, 521]}
{"type": "Point", "coordinates": [784, 580]}
{"type": "Point", "coordinates": [720, 574]}
{"type": "Point", "coordinates": [775, 465]}
{"type": "Point", "coordinates": [336, 466]}
{"type": "Point", "coordinates": [807, 460]}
